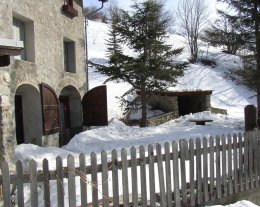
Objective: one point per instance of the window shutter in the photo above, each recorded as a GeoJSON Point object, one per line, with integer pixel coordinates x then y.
{"type": "Point", "coordinates": [50, 110]}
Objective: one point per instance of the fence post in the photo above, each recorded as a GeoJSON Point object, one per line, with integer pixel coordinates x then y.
{"type": "Point", "coordinates": [250, 117]}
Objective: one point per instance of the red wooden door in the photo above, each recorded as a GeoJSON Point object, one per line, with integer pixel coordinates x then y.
{"type": "Point", "coordinates": [94, 105]}
{"type": "Point", "coordinates": [50, 110]}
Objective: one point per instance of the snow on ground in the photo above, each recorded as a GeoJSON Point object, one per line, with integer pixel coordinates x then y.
{"type": "Point", "coordinates": [116, 135]}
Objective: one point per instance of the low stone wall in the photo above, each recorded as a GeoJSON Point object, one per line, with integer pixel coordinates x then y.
{"type": "Point", "coordinates": [153, 121]}
{"type": "Point", "coordinates": [218, 111]}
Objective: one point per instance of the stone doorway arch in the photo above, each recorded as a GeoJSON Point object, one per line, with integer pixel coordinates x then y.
{"type": "Point", "coordinates": [28, 115]}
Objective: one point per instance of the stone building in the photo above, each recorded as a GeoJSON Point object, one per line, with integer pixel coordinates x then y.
{"type": "Point", "coordinates": [42, 73]}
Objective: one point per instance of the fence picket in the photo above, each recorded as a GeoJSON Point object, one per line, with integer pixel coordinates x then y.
{"type": "Point", "coordinates": [241, 166]}
{"type": "Point", "coordinates": [46, 183]}
{"type": "Point", "coordinates": [183, 172]}
{"type": "Point", "coordinates": [205, 170]}
{"type": "Point", "coordinates": [230, 171]}
{"type": "Point", "coordinates": [224, 165]}
{"type": "Point", "coordinates": [246, 162]}
{"type": "Point", "coordinates": [176, 174]}
{"type": "Point", "coordinates": [83, 180]}
{"type": "Point", "coordinates": [198, 169]}
{"type": "Point", "coordinates": [134, 177]}
{"type": "Point", "coordinates": [115, 178]}
{"type": "Point", "coordinates": [94, 179]}
{"type": "Point", "coordinates": [71, 181]}
{"type": "Point", "coordinates": [143, 175]}
{"type": "Point", "coordinates": [192, 181]}
{"type": "Point", "coordinates": [33, 183]}
{"type": "Point", "coordinates": [105, 193]}
{"type": "Point", "coordinates": [212, 161]}
{"type": "Point", "coordinates": [218, 178]}
{"type": "Point", "coordinates": [168, 174]}
{"type": "Point", "coordinates": [235, 155]}
{"type": "Point", "coordinates": [255, 159]}
{"type": "Point", "coordinates": [161, 175]}
{"type": "Point", "coordinates": [151, 175]}
{"type": "Point", "coordinates": [125, 178]}
{"type": "Point", "coordinates": [20, 191]}
{"type": "Point", "coordinates": [6, 184]}
{"type": "Point", "coordinates": [60, 183]}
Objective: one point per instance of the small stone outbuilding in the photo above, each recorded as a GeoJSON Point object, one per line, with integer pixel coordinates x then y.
{"type": "Point", "coordinates": [182, 102]}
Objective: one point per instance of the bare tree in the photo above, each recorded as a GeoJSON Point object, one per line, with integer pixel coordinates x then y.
{"type": "Point", "coordinates": [192, 15]}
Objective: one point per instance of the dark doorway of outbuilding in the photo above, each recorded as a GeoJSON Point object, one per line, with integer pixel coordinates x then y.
{"type": "Point", "coordinates": [193, 101]}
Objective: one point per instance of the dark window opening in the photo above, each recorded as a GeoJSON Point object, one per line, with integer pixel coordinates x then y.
{"type": "Point", "coordinates": [4, 60]}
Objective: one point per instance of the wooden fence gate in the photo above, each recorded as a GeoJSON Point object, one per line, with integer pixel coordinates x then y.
{"type": "Point", "coordinates": [184, 173]}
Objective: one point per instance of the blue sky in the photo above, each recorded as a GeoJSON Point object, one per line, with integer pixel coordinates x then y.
{"type": "Point", "coordinates": [124, 4]}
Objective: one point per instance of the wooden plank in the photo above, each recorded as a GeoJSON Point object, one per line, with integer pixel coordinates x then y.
{"type": "Point", "coordinates": [6, 184]}
{"type": "Point", "coordinates": [246, 163]}
{"type": "Point", "coordinates": [115, 178]}
{"type": "Point", "coordinates": [134, 177]}
{"type": "Point", "coordinates": [83, 180]}
{"type": "Point", "coordinates": [161, 175]}
{"type": "Point", "coordinates": [175, 152]}
{"type": "Point", "coordinates": [183, 172]}
{"type": "Point", "coordinates": [198, 170]}
{"type": "Point", "coordinates": [256, 158]}
{"type": "Point", "coordinates": [235, 156]}
{"type": "Point", "coordinates": [33, 183]}
{"type": "Point", "coordinates": [211, 166]}
{"type": "Point", "coordinates": [143, 175]}
{"type": "Point", "coordinates": [151, 175]}
{"type": "Point", "coordinates": [94, 180]}
{"type": "Point", "coordinates": [192, 181]}
{"type": "Point", "coordinates": [241, 166]}
{"type": "Point", "coordinates": [125, 178]}
{"type": "Point", "coordinates": [60, 183]}
{"type": "Point", "coordinates": [46, 183]}
{"type": "Point", "coordinates": [224, 165]}
{"type": "Point", "coordinates": [71, 181]}
{"type": "Point", "coordinates": [168, 174]}
{"type": "Point", "coordinates": [230, 170]}
{"type": "Point", "coordinates": [105, 192]}
{"type": "Point", "coordinates": [205, 170]}
{"type": "Point", "coordinates": [20, 191]}
{"type": "Point", "coordinates": [251, 160]}
{"type": "Point", "coordinates": [218, 178]}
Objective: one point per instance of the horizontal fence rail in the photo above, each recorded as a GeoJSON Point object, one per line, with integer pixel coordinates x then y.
{"type": "Point", "coordinates": [184, 173]}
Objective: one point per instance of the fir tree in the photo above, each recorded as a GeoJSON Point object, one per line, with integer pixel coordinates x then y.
{"type": "Point", "coordinates": [152, 68]}
{"type": "Point", "coordinates": [224, 33]}
{"type": "Point", "coordinates": [247, 20]}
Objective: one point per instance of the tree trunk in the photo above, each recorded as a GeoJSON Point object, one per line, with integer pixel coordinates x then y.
{"type": "Point", "coordinates": [143, 107]}
{"type": "Point", "coordinates": [257, 36]}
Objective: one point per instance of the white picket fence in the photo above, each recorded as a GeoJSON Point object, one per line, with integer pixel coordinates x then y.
{"type": "Point", "coordinates": [184, 173]}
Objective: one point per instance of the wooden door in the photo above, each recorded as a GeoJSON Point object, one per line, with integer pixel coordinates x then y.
{"type": "Point", "coordinates": [94, 105]}
{"type": "Point", "coordinates": [19, 119]}
{"type": "Point", "coordinates": [50, 110]}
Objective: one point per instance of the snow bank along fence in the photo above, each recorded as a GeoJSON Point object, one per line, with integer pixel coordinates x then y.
{"type": "Point", "coordinates": [184, 173]}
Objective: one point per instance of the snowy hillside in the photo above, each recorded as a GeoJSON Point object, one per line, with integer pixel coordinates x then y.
{"type": "Point", "coordinates": [226, 94]}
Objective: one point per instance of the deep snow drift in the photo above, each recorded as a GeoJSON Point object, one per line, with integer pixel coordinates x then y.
{"type": "Point", "coordinates": [226, 95]}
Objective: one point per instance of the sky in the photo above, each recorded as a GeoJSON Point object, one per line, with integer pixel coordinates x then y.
{"type": "Point", "coordinates": [125, 4]}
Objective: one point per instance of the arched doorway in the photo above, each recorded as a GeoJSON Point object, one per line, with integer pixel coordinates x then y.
{"type": "Point", "coordinates": [28, 115]}
{"type": "Point", "coordinates": [70, 114]}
